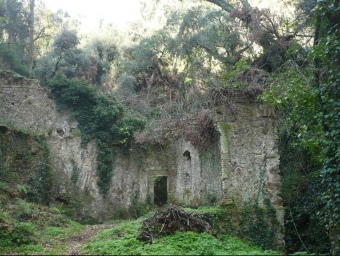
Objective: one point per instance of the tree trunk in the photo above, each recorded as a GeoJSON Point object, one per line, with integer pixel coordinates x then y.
{"type": "Point", "coordinates": [31, 35]}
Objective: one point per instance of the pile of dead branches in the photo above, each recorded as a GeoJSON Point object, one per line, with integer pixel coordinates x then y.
{"type": "Point", "coordinates": [169, 220]}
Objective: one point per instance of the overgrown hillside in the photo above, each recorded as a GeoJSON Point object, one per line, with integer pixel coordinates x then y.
{"type": "Point", "coordinates": [149, 85]}
{"type": "Point", "coordinates": [28, 228]}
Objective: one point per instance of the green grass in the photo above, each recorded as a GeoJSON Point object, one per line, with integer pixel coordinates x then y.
{"type": "Point", "coordinates": [56, 237]}
{"type": "Point", "coordinates": [28, 249]}
{"type": "Point", "coordinates": [121, 240]}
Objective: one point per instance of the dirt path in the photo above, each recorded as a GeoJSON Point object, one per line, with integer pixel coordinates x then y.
{"type": "Point", "coordinates": [75, 243]}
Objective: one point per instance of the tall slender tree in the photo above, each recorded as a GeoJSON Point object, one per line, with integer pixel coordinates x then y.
{"type": "Point", "coordinates": [31, 35]}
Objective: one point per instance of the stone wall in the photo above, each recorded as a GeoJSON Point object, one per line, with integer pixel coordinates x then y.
{"type": "Point", "coordinates": [23, 158]}
{"type": "Point", "coordinates": [26, 104]}
{"type": "Point", "coordinates": [240, 166]}
{"type": "Point", "coordinates": [249, 152]}
{"type": "Point", "coordinates": [249, 155]}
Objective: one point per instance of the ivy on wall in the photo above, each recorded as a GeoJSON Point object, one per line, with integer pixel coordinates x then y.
{"type": "Point", "coordinates": [100, 118]}
{"type": "Point", "coordinates": [259, 224]}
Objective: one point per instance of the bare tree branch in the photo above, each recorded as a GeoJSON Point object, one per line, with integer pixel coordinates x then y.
{"type": "Point", "coordinates": [224, 5]}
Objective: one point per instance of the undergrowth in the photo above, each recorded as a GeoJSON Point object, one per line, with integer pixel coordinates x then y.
{"type": "Point", "coordinates": [121, 240]}
{"type": "Point", "coordinates": [27, 228]}
{"type": "Point", "coordinates": [259, 225]}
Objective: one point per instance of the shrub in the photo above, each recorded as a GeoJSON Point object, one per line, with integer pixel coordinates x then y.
{"type": "Point", "coordinates": [16, 233]}
{"type": "Point", "coordinates": [258, 224]}
{"type": "Point", "coordinates": [22, 209]}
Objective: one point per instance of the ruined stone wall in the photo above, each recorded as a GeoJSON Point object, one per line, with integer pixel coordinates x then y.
{"type": "Point", "coordinates": [249, 154]}
{"type": "Point", "coordinates": [240, 166]}
{"type": "Point", "coordinates": [25, 104]}
{"type": "Point", "coordinates": [198, 174]}
{"type": "Point", "coordinates": [22, 158]}
{"type": "Point", "coordinates": [193, 177]}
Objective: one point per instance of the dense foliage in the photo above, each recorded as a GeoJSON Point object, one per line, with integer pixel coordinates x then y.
{"type": "Point", "coordinates": [307, 90]}
{"type": "Point", "coordinates": [301, 190]}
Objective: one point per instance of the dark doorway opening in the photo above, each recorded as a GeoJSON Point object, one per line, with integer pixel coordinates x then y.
{"type": "Point", "coordinates": [187, 155]}
{"type": "Point", "coordinates": [160, 190]}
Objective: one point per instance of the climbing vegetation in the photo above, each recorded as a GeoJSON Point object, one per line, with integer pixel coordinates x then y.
{"type": "Point", "coordinates": [306, 90]}
{"type": "Point", "coordinates": [100, 118]}
{"type": "Point", "coordinates": [259, 225]}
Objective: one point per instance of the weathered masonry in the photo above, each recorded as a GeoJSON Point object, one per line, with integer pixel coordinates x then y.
{"type": "Point", "coordinates": [240, 166]}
